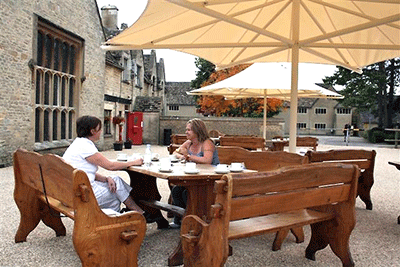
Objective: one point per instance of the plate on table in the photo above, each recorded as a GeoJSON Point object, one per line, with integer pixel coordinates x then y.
{"type": "Point", "coordinates": [221, 171]}
{"type": "Point", "coordinates": [236, 170]}
{"type": "Point", "coordinates": [191, 171]}
{"type": "Point", "coordinates": [165, 170]}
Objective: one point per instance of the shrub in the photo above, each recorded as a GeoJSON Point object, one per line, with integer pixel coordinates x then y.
{"type": "Point", "coordinates": [376, 135]}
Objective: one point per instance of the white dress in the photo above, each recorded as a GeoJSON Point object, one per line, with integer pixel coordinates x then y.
{"type": "Point", "coordinates": [76, 155]}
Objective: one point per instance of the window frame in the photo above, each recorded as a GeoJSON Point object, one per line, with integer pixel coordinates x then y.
{"type": "Point", "coordinates": [316, 111]}
{"type": "Point", "coordinates": [56, 79]}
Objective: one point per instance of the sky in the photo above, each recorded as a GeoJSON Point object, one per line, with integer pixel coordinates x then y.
{"type": "Point", "coordinates": [179, 67]}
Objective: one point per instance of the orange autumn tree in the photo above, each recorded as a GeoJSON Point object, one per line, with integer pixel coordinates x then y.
{"type": "Point", "coordinates": [246, 107]}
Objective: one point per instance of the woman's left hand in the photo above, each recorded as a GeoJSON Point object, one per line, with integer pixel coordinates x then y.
{"type": "Point", "coordinates": [111, 184]}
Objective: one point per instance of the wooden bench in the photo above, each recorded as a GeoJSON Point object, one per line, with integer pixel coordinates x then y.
{"type": "Point", "coordinates": [364, 159]}
{"type": "Point", "coordinates": [46, 186]}
{"type": "Point", "coordinates": [247, 142]}
{"type": "Point", "coordinates": [307, 141]}
{"type": "Point", "coordinates": [321, 195]}
{"type": "Point", "coordinates": [265, 161]}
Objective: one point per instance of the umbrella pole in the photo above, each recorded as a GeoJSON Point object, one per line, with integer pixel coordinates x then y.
{"type": "Point", "coordinates": [295, 77]}
{"type": "Point", "coordinates": [265, 116]}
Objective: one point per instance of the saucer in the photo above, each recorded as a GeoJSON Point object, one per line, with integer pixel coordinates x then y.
{"type": "Point", "coordinates": [192, 171]}
{"type": "Point", "coordinates": [174, 160]}
{"type": "Point", "coordinates": [221, 171]}
{"type": "Point", "coordinates": [236, 170]}
{"type": "Point", "coordinates": [165, 170]}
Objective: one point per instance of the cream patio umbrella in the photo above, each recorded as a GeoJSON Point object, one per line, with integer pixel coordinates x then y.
{"type": "Point", "coordinates": [270, 80]}
{"type": "Point", "coordinates": [349, 33]}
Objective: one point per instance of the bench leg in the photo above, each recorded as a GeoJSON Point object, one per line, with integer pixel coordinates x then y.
{"type": "Point", "coordinates": [32, 210]}
{"type": "Point", "coordinates": [279, 237]}
{"type": "Point", "coordinates": [336, 233]}
{"type": "Point", "coordinates": [52, 219]}
{"type": "Point", "coordinates": [29, 209]}
{"type": "Point", "coordinates": [282, 234]}
{"type": "Point", "coordinates": [365, 182]}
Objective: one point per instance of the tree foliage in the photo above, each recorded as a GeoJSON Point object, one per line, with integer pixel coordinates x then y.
{"type": "Point", "coordinates": [372, 91]}
{"type": "Point", "coordinates": [219, 106]}
{"type": "Point", "coordinates": [206, 68]}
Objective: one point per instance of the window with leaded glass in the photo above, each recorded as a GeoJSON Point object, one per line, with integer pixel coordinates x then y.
{"type": "Point", "coordinates": [56, 80]}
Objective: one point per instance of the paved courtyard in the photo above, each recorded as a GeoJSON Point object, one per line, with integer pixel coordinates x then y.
{"type": "Point", "coordinates": [375, 240]}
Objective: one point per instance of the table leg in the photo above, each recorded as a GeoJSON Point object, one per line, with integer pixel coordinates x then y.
{"type": "Point", "coordinates": [200, 199]}
{"type": "Point", "coordinates": [144, 187]}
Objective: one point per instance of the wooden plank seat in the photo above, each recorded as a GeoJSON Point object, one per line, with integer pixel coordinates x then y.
{"type": "Point", "coordinates": [321, 195]}
{"type": "Point", "coordinates": [364, 159]}
{"type": "Point", "coordinates": [265, 161]}
{"type": "Point", "coordinates": [247, 142]}
{"type": "Point", "coordinates": [46, 186]}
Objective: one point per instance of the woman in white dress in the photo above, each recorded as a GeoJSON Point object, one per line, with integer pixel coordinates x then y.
{"type": "Point", "coordinates": [82, 154]}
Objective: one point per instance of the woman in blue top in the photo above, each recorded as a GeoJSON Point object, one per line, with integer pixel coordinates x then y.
{"type": "Point", "coordinates": [199, 149]}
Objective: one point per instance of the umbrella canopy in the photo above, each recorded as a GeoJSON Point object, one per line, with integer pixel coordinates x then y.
{"type": "Point", "coordinates": [349, 33]}
{"type": "Point", "coordinates": [270, 80]}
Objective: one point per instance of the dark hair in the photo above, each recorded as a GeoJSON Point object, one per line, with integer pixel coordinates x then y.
{"type": "Point", "coordinates": [85, 125]}
{"type": "Point", "coordinates": [199, 128]}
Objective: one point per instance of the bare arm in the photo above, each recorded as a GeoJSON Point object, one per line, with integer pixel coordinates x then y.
{"type": "Point", "coordinates": [208, 150]}
{"type": "Point", "coordinates": [99, 160]}
{"type": "Point", "coordinates": [182, 151]}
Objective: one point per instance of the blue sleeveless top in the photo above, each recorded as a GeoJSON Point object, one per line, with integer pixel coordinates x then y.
{"type": "Point", "coordinates": [215, 159]}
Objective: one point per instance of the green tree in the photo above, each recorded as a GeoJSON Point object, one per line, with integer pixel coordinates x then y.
{"type": "Point", "coordinates": [206, 68]}
{"type": "Point", "coordinates": [372, 90]}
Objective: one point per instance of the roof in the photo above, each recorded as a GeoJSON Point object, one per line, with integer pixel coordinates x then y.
{"type": "Point", "coordinates": [175, 94]}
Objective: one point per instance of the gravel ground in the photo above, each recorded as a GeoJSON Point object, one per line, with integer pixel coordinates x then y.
{"type": "Point", "coordinates": [375, 240]}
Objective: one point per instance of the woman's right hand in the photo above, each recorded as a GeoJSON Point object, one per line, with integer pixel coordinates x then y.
{"type": "Point", "coordinates": [137, 162]}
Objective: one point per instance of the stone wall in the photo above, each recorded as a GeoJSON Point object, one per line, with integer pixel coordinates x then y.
{"type": "Point", "coordinates": [17, 41]}
{"type": "Point", "coordinates": [232, 126]}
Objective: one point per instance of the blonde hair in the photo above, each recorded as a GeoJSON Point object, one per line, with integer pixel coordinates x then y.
{"type": "Point", "coordinates": [199, 128]}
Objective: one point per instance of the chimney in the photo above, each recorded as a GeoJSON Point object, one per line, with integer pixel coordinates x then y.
{"type": "Point", "coordinates": [109, 15]}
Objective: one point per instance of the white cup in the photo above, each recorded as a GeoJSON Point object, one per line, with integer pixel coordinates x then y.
{"type": "Point", "coordinates": [190, 166]}
{"type": "Point", "coordinates": [122, 156]}
{"type": "Point", "coordinates": [236, 166]}
{"type": "Point", "coordinates": [155, 156]}
{"type": "Point", "coordinates": [165, 163]}
{"type": "Point", "coordinates": [222, 167]}
{"type": "Point", "coordinates": [173, 157]}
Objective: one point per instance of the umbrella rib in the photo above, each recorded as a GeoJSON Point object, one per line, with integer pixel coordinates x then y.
{"type": "Point", "coordinates": [352, 29]}
{"type": "Point", "coordinates": [250, 59]}
{"type": "Point", "coordinates": [322, 30]}
{"type": "Point", "coordinates": [230, 20]}
{"type": "Point", "coordinates": [335, 61]}
{"type": "Point", "coordinates": [355, 46]}
{"type": "Point", "coordinates": [265, 26]}
{"type": "Point", "coordinates": [359, 14]}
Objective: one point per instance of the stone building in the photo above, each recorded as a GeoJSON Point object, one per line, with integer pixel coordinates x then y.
{"type": "Point", "coordinates": [317, 116]}
{"type": "Point", "coordinates": [132, 79]}
{"type": "Point", "coordinates": [177, 102]}
{"type": "Point", "coordinates": [52, 71]}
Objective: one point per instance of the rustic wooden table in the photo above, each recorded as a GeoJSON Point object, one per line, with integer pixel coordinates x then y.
{"type": "Point", "coordinates": [199, 185]}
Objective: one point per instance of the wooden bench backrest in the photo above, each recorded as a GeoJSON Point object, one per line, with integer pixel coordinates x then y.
{"type": "Point", "coordinates": [57, 174]}
{"type": "Point", "coordinates": [178, 139]}
{"type": "Point", "coordinates": [307, 142]}
{"type": "Point", "coordinates": [364, 159]}
{"type": "Point", "coordinates": [215, 133]}
{"type": "Point", "coordinates": [247, 142]}
{"type": "Point", "coordinates": [259, 160]}
{"type": "Point", "coordinates": [289, 189]}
